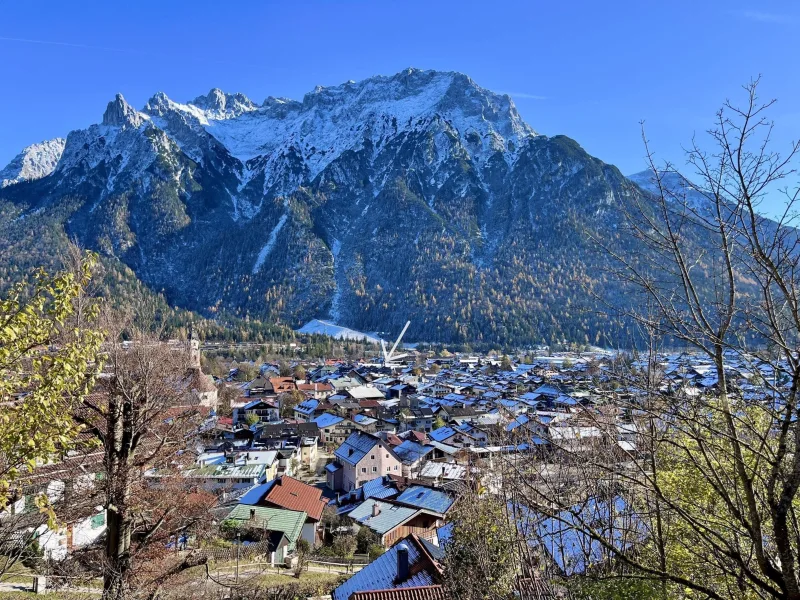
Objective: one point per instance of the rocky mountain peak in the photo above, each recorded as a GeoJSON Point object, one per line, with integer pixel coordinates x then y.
{"type": "Point", "coordinates": [120, 114]}
{"type": "Point", "coordinates": [34, 162]}
{"type": "Point", "coordinates": [220, 103]}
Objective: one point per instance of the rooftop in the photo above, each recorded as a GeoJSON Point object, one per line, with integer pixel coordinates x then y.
{"type": "Point", "coordinates": [290, 522]}
{"type": "Point", "coordinates": [389, 516]}
{"type": "Point", "coordinates": [426, 498]}
{"type": "Point", "coordinates": [295, 495]}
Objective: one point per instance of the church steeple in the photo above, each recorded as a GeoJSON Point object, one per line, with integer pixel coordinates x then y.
{"type": "Point", "coordinates": [194, 348]}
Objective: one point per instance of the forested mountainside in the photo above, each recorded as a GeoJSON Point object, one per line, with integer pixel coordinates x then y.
{"type": "Point", "coordinates": [419, 196]}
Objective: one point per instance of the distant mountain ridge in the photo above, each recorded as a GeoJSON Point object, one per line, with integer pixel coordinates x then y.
{"type": "Point", "coordinates": [416, 196]}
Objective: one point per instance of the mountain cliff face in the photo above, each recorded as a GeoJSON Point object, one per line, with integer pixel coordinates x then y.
{"type": "Point", "coordinates": [418, 196]}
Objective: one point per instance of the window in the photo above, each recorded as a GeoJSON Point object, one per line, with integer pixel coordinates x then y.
{"type": "Point", "coordinates": [364, 469]}
{"type": "Point", "coordinates": [374, 469]}
{"type": "Point", "coordinates": [388, 469]}
{"type": "Point", "coordinates": [387, 455]}
{"type": "Point", "coordinates": [395, 467]}
{"type": "Point", "coordinates": [98, 520]}
{"type": "Point", "coordinates": [372, 457]}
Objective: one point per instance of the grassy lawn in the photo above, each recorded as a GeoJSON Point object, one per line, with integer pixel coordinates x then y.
{"type": "Point", "coordinates": [17, 573]}
{"type": "Point", "coordinates": [321, 579]}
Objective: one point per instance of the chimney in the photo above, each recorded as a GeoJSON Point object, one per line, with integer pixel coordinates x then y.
{"type": "Point", "coordinates": [402, 563]}
{"type": "Point", "coordinates": [252, 513]}
{"type": "Point", "coordinates": [376, 510]}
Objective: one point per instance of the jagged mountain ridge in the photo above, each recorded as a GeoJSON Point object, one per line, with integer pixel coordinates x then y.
{"type": "Point", "coordinates": [34, 162]}
{"type": "Point", "coordinates": [419, 196]}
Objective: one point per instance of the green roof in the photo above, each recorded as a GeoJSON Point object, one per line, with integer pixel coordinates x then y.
{"type": "Point", "coordinates": [225, 471]}
{"type": "Point", "coordinates": [290, 522]}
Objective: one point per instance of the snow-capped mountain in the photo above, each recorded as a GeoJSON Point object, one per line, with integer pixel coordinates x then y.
{"type": "Point", "coordinates": [417, 196]}
{"type": "Point", "coordinates": [34, 162]}
{"type": "Point", "coordinates": [676, 188]}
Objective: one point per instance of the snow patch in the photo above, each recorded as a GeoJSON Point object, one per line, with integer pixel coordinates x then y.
{"type": "Point", "coordinates": [320, 327]}
{"type": "Point", "coordinates": [273, 237]}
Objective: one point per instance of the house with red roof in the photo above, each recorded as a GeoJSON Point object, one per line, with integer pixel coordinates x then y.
{"type": "Point", "coordinates": [291, 494]}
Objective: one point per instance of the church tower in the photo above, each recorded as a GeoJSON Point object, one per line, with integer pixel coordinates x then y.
{"type": "Point", "coordinates": [194, 348]}
{"type": "Point", "coordinates": [201, 387]}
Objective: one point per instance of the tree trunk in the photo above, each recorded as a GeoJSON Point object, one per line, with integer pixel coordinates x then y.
{"type": "Point", "coordinates": [117, 554]}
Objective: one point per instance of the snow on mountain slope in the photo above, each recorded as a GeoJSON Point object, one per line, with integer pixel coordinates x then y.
{"type": "Point", "coordinates": [318, 326]}
{"type": "Point", "coordinates": [332, 120]}
{"type": "Point", "coordinates": [675, 186]}
{"type": "Point", "coordinates": [34, 162]}
{"type": "Point", "coordinates": [415, 196]}
{"type": "Point", "coordinates": [273, 237]}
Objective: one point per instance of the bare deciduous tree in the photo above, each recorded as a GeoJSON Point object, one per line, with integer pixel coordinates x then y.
{"type": "Point", "coordinates": [708, 502]}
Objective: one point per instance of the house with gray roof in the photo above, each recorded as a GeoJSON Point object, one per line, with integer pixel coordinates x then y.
{"type": "Point", "coordinates": [360, 458]}
{"type": "Point", "coordinates": [392, 521]}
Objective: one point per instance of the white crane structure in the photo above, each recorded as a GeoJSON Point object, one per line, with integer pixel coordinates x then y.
{"type": "Point", "coordinates": [390, 358]}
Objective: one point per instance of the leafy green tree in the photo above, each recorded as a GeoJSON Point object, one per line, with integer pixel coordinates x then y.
{"type": "Point", "coordinates": [49, 361]}
{"type": "Point", "coordinates": [438, 422]}
{"type": "Point", "coordinates": [251, 419]}
{"type": "Point", "coordinates": [479, 556]}
{"type": "Point", "coordinates": [375, 550]}
{"type": "Point", "coordinates": [366, 538]}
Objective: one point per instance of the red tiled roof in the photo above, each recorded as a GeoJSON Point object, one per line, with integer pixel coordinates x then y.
{"type": "Point", "coordinates": [369, 404]}
{"type": "Point", "coordinates": [421, 437]}
{"type": "Point", "coordinates": [282, 384]}
{"type": "Point", "coordinates": [291, 494]}
{"type": "Point", "coordinates": [423, 592]}
{"type": "Point", "coordinates": [315, 387]}
{"type": "Point", "coordinates": [393, 440]}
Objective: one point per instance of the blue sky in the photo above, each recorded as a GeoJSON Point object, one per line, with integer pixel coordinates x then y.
{"type": "Point", "coordinates": [590, 70]}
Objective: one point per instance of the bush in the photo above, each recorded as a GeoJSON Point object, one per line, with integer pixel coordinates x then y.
{"type": "Point", "coordinates": [366, 538]}
{"type": "Point", "coordinates": [229, 528]}
{"type": "Point", "coordinates": [33, 557]}
{"type": "Point", "coordinates": [345, 545]}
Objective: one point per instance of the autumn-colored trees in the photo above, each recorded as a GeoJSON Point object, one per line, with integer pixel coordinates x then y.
{"type": "Point", "coordinates": [48, 363]}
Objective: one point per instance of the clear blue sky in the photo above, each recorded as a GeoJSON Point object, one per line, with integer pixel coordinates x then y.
{"type": "Point", "coordinates": [591, 70]}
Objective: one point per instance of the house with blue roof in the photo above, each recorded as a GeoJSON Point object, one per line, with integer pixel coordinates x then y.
{"type": "Point", "coordinates": [412, 564]}
{"type": "Point", "coordinates": [381, 488]}
{"type": "Point", "coordinates": [366, 423]}
{"type": "Point", "coordinates": [453, 437]}
{"type": "Point", "coordinates": [360, 458]}
{"type": "Point", "coordinates": [333, 429]}
{"type": "Point", "coordinates": [564, 402]}
{"type": "Point", "coordinates": [564, 539]}
{"type": "Point", "coordinates": [306, 411]}
{"type": "Point", "coordinates": [547, 392]}
{"type": "Point", "coordinates": [518, 422]}
{"type": "Point", "coordinates": [411, 454]}
{"type": "Point", "coordinates": [430, 499]}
